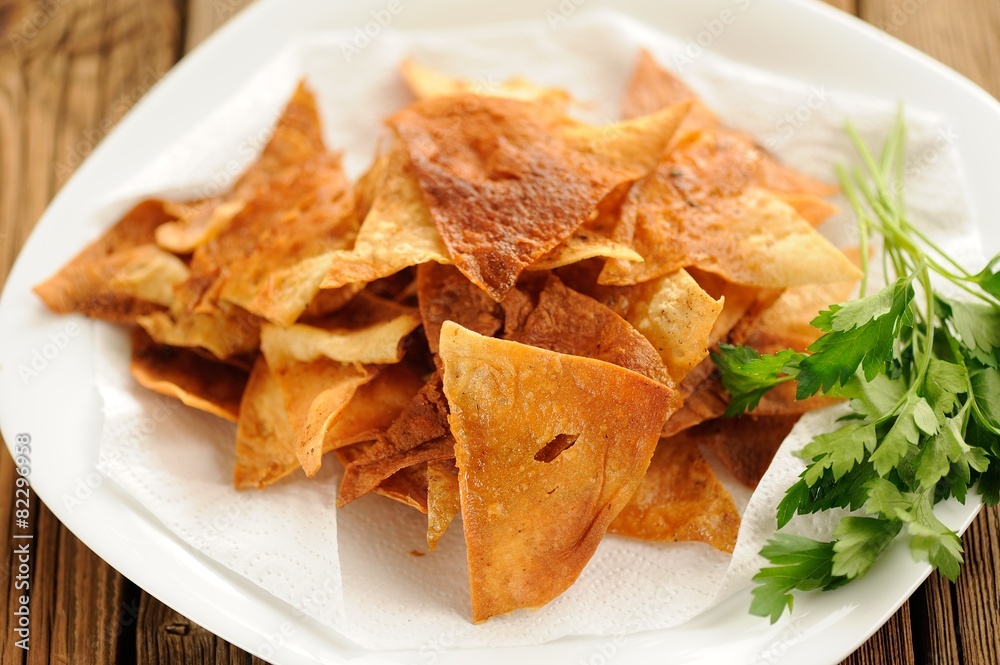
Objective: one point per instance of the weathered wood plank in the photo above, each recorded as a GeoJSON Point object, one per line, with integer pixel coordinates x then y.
{"type": "Point", "coordinates": [933, 616]}
{"type": "Point", "coordinates": [849, 6]}
{"type": "Point", "coordinates": [164, 636]}
{"type": "Point", "coordinates": [10, 654]}
{"type": "Point", "coordinates": [68, 71]}
{"type": "Point", "coordinates": [204, 16]}
{"type": "Point", "coordinates": [893, 643]}
{"type": "Point", "coordinates": [963, 34]}
{"type": "Point", "coordinates": [77, 600]}
{"type": "Point", "coordinates": [978, 592]}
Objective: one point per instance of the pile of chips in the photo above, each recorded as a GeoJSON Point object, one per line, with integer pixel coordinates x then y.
{"type": "Point", "coordinates": [508, 316]}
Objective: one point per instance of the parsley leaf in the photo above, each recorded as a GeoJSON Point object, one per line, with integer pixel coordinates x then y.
{"type": "Point", "coordinates": [835, 357]}
{"type": "Point", "coordinates": [859, 542]}
{"type": "Point", "coordinates": [748, 377]}
{"type": "Point", "coordinates": [989, 277]}
{"type": "Point", "coordinates": [977, 324]}
{"type": "Point", "coordinates": [800, 563]}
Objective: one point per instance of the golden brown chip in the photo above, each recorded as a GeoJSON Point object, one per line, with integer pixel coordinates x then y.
{"type": "Point", "coordinates": [224, 330]}
{"type": "Point", "coordinates": [427, 83]}
{"type": "Point", "coordinates": [747, 444]}
{"type": "Point", "coordinates": [275, 253]}
{"type": "Point", "coordinates": [271, 259]}
{"type": "Point", "coordinates": [569, 322]}
{"type": "Point", "coordinates": [316, 387]}
{"type": "Point", "coordinates": [443, 501]}
{"type": "Point", "coordinates": [297, 138]}
{"type": "Point", "coordinates": [772, 323]}
{"type": "Point", "coordinates": [407, 485]}
{"type": "Point", "coordinates": [582, 245]}
{"type": "Point", "coordinates": [680, 499]}
{"type": "Point", "coordinates": [506, 181]}
{"type": "Point", "coordinates": [147, 273]}
{"type": "Point", "coordinates": [368, 330]}
{"type": "Point", "coordinates": [740, 303]}
{"type": "Point", "coordinates": [673, 312]}
{"type": "Point", "coordinates": [419, 434]}
{"type": "Point", "coordinates": [700, 209]}
{"type": "Point", "coordinates": [532, 525]}
{"type": "Point", "coordinates": [104, 280]}
{"type": "Point", "coordinates": [397, 232]}
{"type": "Point", "coordinates": [316, 394]}
{"type": "Point", "coordinates": [653, 88]}
{"type": "Point", "coordinates": [445, 294]}
{"type": "Point", "coordinates": [201, 383]}
{"type": "Point", "coordinates": [785, 324]}
{"type": "Point", "coordinates": [265, 444]}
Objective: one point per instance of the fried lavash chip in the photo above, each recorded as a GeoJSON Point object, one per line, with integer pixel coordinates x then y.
{"type": "Point", "coordinates": [533, 518]}
{"type": "Point", "coordinates": [506, 181]}
{"type": "Point", "coordinates": [194, 379]}
{"type": "Point", "coordinates": [500, 319]}
{"type": "Point", "coordinates": [121, 275]}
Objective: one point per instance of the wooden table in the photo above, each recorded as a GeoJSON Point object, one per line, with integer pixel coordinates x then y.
{"type": "Point", "coordinates": [69, 69]}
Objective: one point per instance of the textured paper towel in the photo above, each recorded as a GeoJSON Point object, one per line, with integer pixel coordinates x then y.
{"type": "Point", "coordinates": [352, 569]}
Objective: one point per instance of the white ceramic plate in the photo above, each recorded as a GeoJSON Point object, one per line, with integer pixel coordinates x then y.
{"type": "Point", "coordinates": [60, 407]}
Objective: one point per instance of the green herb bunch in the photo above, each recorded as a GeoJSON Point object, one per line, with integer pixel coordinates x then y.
{"type": "Point", "coordinates": [921, 372]}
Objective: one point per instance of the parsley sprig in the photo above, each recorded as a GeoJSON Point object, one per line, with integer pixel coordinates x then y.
{"type": "Point", "coordinates": [921, 371]}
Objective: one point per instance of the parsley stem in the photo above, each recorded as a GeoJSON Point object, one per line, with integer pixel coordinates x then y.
{"type": "Point", "coordinates": [863, 231]}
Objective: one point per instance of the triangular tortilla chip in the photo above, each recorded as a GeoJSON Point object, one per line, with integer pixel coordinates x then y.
{"type": "Point", "coordinates": [701, 207]}
{"type": "Point", "coordinates": [147, 273]}
{"type": "Point", "coordinates": [740, 303]}
{"type": "Point", "coordinates": [506, 181]}
{"type": "Point", "coordinates": [569, 322]}
{"type": "Point", "coordinates": [277, 250]}
{"type": "Point", "coordinates": [407, 485]}
{"type": "Point", "coordinates": [443, 501]}
{"type": "Point", "coordinates": [225, 330]}
{"type": "Point", "coordinates": [397, 232]}
{"type": "Point", "coordinates": [266, 445]}
{"type": "Point", "coordinates": [445, 294]}
{"type": "Point", "coordinates": [419, 434]}
{"type": "Point", "coordinates": [652, 88]}
{"type": "Point", "coordinates": [368, 330]}
{"type": "Point", "coordinates": [582, 245]}
{"type": "Point", "coordinates": [680, 499]}
{"type": "Point", "coordinates": [427, 83]}
{"type": "Point", "coordinates": [531, 525]}
{"type": "Point", "coordinates": [104, 280]}
{"type": "Point", "coordinates": [200, 383]}
{"type": "Point", "coordinates": [673, 312]}
{"type": "Point", "coordinates": [745, 445]}
{"type": "Point", "coordinates": [316, 392]}
{"type": "Point", "coordinates": [297, 138]}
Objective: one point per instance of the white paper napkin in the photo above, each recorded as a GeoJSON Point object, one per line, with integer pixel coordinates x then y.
{"type": "Point", "coordinates": [353, 569]}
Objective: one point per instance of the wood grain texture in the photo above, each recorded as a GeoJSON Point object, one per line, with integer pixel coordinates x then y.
{"type": "Point", "coordinates": [204, 16]}
{"type": "Point", "coordinates": [963, 34]}
{"type": "Point", "coordinates": [70, 69]}
{"type": "Point", "coordinates": [164, 636]}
